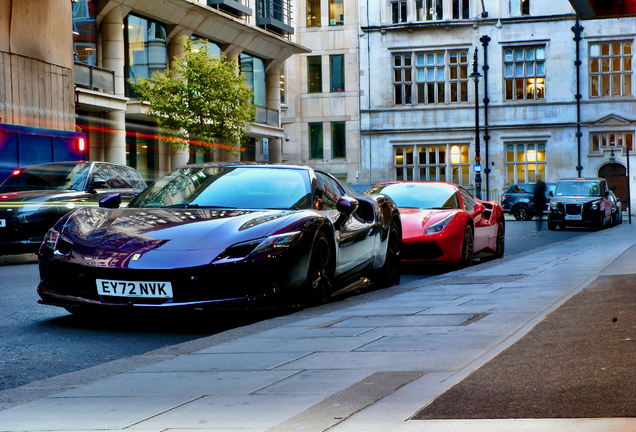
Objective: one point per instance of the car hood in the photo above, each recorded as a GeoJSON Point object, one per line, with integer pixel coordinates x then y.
{"type": "Point", "coordinates": [415, 221]}
{"type": "Point", "coordinates": [576, 199]}
{"type": "Point", "coordinates": [165, 238]}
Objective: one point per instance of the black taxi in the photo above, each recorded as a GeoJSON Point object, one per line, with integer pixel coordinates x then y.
{"type": "Point", "coordinates": [581, 202]}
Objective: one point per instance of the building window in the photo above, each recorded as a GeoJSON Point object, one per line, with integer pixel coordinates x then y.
{"type": "Point", "coordinates": [85, 32]}
{"type": "Point", "coordinates": [524, 72]}
{"type": "Point", "coordinates": [314, 74]}
{"type": "Point", "coordinates": [606, 140]}
{"type": "Point", "coordinates": [519, 7]}
{"type": "Point", "coordinates": [336, 12]}
{"type": "Point", "coordinates": [461, 9]}
{"type": "Point", "coordinates": [315, 141]}
{"type": "Point", "coordinates": [404, 163]}
{"type": "Point", "coordinates": [429, 10]}
{"type": "Point", "coordinates": [398, 11]}
{"type": "Point", "coordinates": [200, 43]}
{"type": "Point", "coordinates": [282, 82]}
{"type": "Point", "coordinates": [336, 66]}
{"type": "Point", "coordinates": [430, 78]}
{"type": "Point", "coordinates": [524, 161]}
{"type": "Point", "coordinates": [253, 71]}
{"type": "Point", "coordinates": [458, 79]}
{"type": "Point", "coordinates": [431, 162]}
{"type": "Point", "coordinates": [460, 165]}
{"type": "Point", "coordinates": [313, 13]}
{"type": "Point", "coordinates": [403, 79]}
{"type": "Point", "coordinates": [146, 51]}
{"type": "Point", "coordinates": [338, 140]}
{"type": "Point", "coordinates": [610, 69]}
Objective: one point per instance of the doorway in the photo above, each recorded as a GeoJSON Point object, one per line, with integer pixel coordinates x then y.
{"type": "Point", "coordinates": [614, 174]}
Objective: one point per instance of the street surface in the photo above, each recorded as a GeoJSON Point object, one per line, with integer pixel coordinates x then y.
{"type": "Point", "coordinates": [38, 342]}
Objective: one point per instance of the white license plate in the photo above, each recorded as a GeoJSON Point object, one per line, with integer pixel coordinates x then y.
{"type": "Point", "coordinates": [107, 287]}
{"type": "Point", "coordinates": [3, 223]}
{"type": "Point", "coordinates": [573, 217]}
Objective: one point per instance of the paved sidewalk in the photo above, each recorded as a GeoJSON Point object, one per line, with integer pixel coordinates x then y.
{"type": "Point", "coordinates": [366, 363]}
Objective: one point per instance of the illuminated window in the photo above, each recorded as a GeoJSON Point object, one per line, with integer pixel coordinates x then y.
{"type": "Point", "coordinates": [460, 165]}
{"type": "Point", "coordinates": [404, 163]}
{"type": "Point", "coordinates": [610, 69]}
{"type": "Point", "coordinates": [524, 161]}
{"type": "Point", "coordinates": [431, 162]}
{"type": "Point", "coordinates": [313, 13]}
{"type": "Point", "coordinates": [524, 73]}
{"type": "Point", "coordinates": [601, 141]}
{"type": "Point", "coordinates": [336, 12]}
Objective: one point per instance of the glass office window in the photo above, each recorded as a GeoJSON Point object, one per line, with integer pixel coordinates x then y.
{"type": "Point", "coordinates": [336, 66]}
{"type": "Point", "coordinates": [85, 28]}
{"type": "Point", "coordinates": [338, 140]}
{"type": "Point", "coordinates": [313, 13]}
{"type": "Point", "coordinates": [336, 12]}
{"type": "Point", "coordinates": [253, 71]}
{"type": "Point", "coordinates": [315, 141]}
{"type": "Point", "coordinates": [145, 49]}
{"type": "Point", "coordinates": [212, 48]}
{"type": "Point", "coordinates": [314, 74]}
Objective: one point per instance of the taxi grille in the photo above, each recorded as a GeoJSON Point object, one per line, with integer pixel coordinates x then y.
{"type": "Point", "coordinates": [573, 209]}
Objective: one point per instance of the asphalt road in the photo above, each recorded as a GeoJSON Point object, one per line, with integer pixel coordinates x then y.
{"type": "Point", "coordinates": [38, 342]}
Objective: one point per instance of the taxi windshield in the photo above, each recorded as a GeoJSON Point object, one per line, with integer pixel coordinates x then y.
{"type": "Point", "coordinates": [579, 188]}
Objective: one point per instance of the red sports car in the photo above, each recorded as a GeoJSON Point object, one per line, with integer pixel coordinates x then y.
{"type": "Point", "coordinates": [444, 223]}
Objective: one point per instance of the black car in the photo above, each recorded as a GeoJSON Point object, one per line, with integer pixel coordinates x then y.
{"type": "Point", "coordinates": [617, 211]}
{"type": "Point", "coordinates": [33, 198]}
{"type": "Point", "coordinates": [582, 202]}
{"type": "Point", "coordinates": [517, 200]}
{"type": "Point", "coordinates": [234, 235]}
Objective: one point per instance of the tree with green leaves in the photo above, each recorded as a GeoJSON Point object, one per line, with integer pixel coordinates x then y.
{"type": "Point", "coordinates": [202, 104]}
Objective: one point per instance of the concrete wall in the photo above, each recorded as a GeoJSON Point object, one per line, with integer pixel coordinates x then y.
{"type": "Point", "coordinates": [36, 64]}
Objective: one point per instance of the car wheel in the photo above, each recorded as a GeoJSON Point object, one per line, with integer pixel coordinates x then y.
{"type": "Point", "coordinates": [551, 225]}
{"type": "Point", "coordinates": [467, 248]}
{"type": "Point", "coordinates": [601, 223]}
{"type": "Point", "coordinates": [390, 273]}
{"type": "Point", "coordinates": [521, 213]}
{"type": "Point", "coordinates": [319, 274]}
{"type": "Point", "coordinates": [501, 240]}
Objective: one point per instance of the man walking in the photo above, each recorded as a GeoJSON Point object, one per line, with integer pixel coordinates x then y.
{"type": "Point", "coordinates": [539, 201]}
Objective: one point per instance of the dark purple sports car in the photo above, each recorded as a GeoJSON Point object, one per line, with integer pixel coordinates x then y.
{"type": "Point", "coordinates": [223, 236]}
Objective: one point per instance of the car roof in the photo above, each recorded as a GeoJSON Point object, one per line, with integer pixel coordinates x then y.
{"type": "Point", "coordinates": [582, 179]}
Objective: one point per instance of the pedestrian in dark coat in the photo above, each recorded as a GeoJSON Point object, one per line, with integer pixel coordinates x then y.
{"type": "Point", "coordinates": [539, 201]}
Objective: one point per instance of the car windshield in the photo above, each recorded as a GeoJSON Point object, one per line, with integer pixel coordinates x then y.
{"type": "Point", "coordinates": [579, 188]}
{"type": "Point", "coordinates": [419, 195]}
{"type": "Point", "coordinates": [229, 187]}
{"type": "Point", "coordinates": [47, 177]}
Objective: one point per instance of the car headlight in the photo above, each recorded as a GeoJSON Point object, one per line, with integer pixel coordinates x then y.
{"type": "Point", "coordinates": [277, 242]}
{"type": "Point", "coordinates": [58, 243]}
{"type": "Point", "coordinates": [594, 206]}
{"type": "Point", "coordinates": [440, 225]}
{"type": "Point", "coordinates": [554, 205]}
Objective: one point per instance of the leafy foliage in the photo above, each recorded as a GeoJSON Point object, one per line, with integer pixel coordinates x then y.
{"type": "Point", "coordinates": [203, 102]}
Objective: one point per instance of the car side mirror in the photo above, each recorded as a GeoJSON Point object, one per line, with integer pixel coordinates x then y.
{"type": "Point", "coordinates": [606, 193]}
{"type": "Point", "coordinates": [479, 208]}
{"type": "Point", "coordinates": [551, 193]}
{"type": "Point", "coordinates": [346, 205]}
{"type": "Point", "coordinates": [111, 201]}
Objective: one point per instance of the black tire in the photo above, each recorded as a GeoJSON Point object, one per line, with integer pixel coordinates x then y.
{"type": "Point", "coordinates": [467, 247]}
{"type": "Point", "coordinates": [501, 240]}
{"type": "Point", "coordinates": [320, 272]}
{"type": "Point", "coordinates": [522, 213]}
{"type": "Point", "coordinates": [390, 273]}
{"type": "Point", "coordinates": [601, 223]}
{"type": "Point", "coordinates": [551, 225]}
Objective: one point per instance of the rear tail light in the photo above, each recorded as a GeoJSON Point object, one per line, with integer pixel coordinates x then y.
{"type": "Point", "coordinates": [81, 144]}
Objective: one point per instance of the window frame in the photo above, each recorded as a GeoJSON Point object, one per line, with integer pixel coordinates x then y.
{"type": "Point", "coordinates": [512, 176]}
{"type": "Point", "coordinates": [517, 8]}
{"type": "Point", "coordinates": [314, 14]}
{"type": "Point", "coordinates": [625, 74]}
{"type": "Point", "coordinates": [332, 64]}
{"type": "Point", "coordinates": [316, 147]}
{"type": "Point", "coordinates": [512, 86]}
{"type": "Point", "coordinates": [339, 140]}
{"type": "Point", "coordinates": [333, 11]}
{"type": "Point", "coordinates": [399, 11]}
{"type": "Point", "coordinates": [622, 140]}
{"type": "Point", "coordinates": [313, 66]}
{"type": "Point", "coordinates": [460, 9]}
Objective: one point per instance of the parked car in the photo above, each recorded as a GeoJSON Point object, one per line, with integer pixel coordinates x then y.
{"type": "Point", "coordinates": [33, 198]}
{"type": "Point", "coordinates": [234, 235]}
{"type": "Point", "coordinates": [443, 223]}
{"type": "Point", "coordinates": [517, 200]}
{"type": "Point", "coordinates": [617, 210]}
{"type": "Point", "coordinates": [583, 202]}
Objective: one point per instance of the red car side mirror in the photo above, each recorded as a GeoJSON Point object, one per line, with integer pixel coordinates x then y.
{"type": "Point", "coordinates": [479, 208]}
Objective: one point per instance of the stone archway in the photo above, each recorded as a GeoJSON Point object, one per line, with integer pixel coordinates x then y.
{"type": "Point", "coordinates": [615, 176]}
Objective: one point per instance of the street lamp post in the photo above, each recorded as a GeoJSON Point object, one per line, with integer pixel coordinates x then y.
{"type": "Point", "coordinates": [475, 76]}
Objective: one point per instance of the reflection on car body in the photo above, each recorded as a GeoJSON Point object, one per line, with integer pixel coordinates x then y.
{"type": "Point", "coordinates": [234, 235]}
{"type": "Point", "coordinates": [33, 198]}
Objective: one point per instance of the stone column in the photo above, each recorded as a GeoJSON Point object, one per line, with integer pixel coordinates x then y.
{"type": "Point", "coordinates": [113, 55]}
{"type": "Point", "coordinates": [272, 81]}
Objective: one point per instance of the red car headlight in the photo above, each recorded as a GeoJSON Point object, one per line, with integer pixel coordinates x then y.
{"type": "Point", "coordinates": [440, 225]}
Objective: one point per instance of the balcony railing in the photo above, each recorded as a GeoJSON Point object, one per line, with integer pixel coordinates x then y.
{"type": "Point", "coordinates": [237, 8]}
{"type": "Point", "coordinates": [266, 116]}
{"type": "Point", "coordinates": [275, 15]}
{"type": "Point", "coordinates": [94, 78]}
